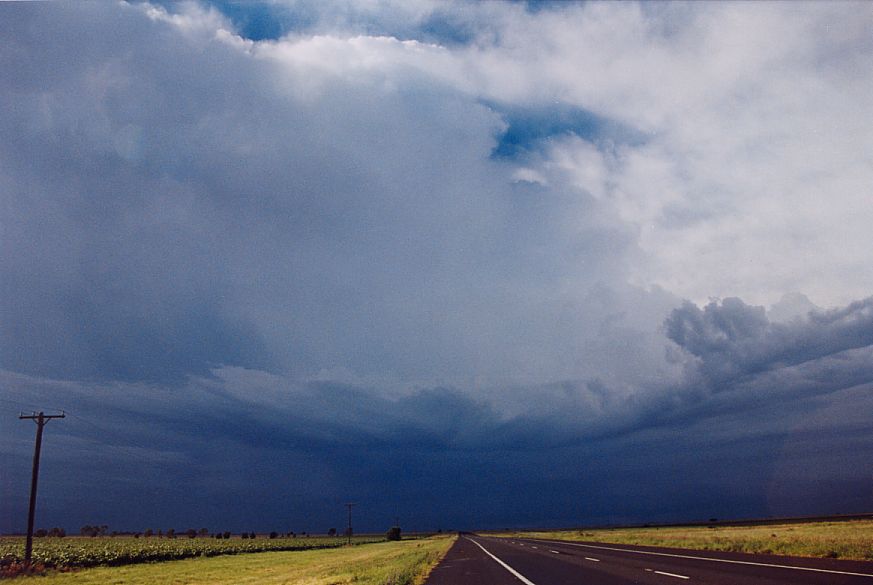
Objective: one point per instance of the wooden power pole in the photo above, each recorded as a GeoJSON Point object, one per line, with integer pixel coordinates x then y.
{"type": "Point", "coordinates": [40, 420]}
{"type": "Point", "coordinates": [350, 504]}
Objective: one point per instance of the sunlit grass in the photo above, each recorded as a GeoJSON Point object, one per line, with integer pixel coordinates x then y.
{"type": "Point", "coordinates": [851, 539]}
{"type": "Point", "coordinates": [386, 563]}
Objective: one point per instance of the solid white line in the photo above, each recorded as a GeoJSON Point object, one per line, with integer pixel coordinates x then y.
{"type": "Point", "coordinates": [590, 559]}
{"type": "Point", "coordinates": [520, 577]}
{"type": "Point", "coordinates": [671, 575]}
{"type": "Point", "coordinates": [675, 556]}
{"type": "Point", "coordinates": [554, 551]}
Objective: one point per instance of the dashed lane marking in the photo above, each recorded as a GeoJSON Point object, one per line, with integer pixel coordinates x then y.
{"type": "Point", "coordinates": [671, 575]}
{"type": "Point", "coordinates": [730, 561]}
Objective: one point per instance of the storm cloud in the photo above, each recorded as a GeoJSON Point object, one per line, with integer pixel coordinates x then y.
{"type": "Point", "coordinates": [408, 253]}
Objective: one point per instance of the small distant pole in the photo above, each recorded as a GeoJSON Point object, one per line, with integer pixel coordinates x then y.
{"type": "Point", "coordinates": [349, 505]}
{"type": "Point", "coordinates": [40, 419]}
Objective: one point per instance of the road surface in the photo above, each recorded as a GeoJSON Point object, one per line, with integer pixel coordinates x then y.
{"type": "Point", "coordinates": [476, 560]}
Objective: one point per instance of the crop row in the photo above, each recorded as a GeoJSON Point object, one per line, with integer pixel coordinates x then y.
{"type": "Point", "coordinates": [88, 552]}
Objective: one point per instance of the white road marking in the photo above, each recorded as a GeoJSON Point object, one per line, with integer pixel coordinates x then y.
{"type": "Point", "coordinates": [731, 561]}
{"type": "Point", "coordinates": [590, 559]}
{"type": "Point", "coordinates": [671, 575]}
{"type": "Point", "coordinates": [518, 575]}
{"type": "Point", "coordinates": [554, 551]}
{"type": "Point", "coordinates": [532, 546]}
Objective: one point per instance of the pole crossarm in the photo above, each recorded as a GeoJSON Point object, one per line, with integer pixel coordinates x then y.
{"type": "Point", "coordinates": [45, 417]}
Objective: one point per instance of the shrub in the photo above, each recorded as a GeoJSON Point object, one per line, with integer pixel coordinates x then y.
{"type": "Point", "coordinates": [393, 533]}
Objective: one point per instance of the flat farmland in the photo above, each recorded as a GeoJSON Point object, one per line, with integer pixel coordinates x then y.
{"type": "Point", "coordinates": [405, 562]}
{"type": "Point", "coordinates": [79, 551]}
{"type": "Point", "coordinates": [847, 539]}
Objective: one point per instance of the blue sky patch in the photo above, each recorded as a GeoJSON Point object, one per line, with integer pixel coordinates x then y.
{"type": "Point", "coordinates": [529, 128]}
{"type": "Point", "coordinates": [254, 20]}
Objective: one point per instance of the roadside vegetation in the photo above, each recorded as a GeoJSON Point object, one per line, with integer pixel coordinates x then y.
{"type": "Point", "coordinates": [77, 552]}
{"type": "Point", "coordinates": [849, 539]}
{"type": "Point", "coordinates": [404, 562]}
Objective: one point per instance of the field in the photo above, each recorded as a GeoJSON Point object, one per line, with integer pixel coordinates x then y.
{"type": "Point", "coordinates": [122, 550]}
{"type": "Point", "coordinates": [850, 539]}
{"type": "Point", "coordinates": [403, 562]}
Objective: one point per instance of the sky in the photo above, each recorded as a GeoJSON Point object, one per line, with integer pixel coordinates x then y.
{"type": "Point", "coordinates": [468, 264]}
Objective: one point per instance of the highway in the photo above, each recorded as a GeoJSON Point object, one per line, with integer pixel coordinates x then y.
{"type": "Point", "coordinates": [477, 560]}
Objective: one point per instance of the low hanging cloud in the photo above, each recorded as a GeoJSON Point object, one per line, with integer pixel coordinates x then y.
{"type": "Point", "coordinates": [732, 340]}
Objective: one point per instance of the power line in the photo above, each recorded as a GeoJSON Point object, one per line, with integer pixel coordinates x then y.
{"type": "Point", "coordinates": [41, 420]}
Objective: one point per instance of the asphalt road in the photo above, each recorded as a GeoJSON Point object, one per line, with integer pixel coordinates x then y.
{"type": "Point", "coordinates": [476, 560]}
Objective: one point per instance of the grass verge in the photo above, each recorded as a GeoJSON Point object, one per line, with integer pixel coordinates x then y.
{"type": "Point", "coordinates": [851, 539]}
{"type": "Point", "coordinates": [406, 562]}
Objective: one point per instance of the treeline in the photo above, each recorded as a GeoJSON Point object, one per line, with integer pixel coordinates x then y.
{"type": "Point", "coordinates": [103, 530]}
{"type": "Point", "coordinates": [54, 532]}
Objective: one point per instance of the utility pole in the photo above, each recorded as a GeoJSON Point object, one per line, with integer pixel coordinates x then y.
{"type": "Point", "coordinates": [349, 505]}
{"type": "Point", "coordinates": [40, 420]}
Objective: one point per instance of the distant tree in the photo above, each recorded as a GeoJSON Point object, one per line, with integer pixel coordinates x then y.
{"type": "Point", "coordinates": [191, 533]}
{"type": "Point", "coordinates": [148, 532]}
{"type": "Point", "coordinates": [393, 533]}
{"type": "Point", "coordinates": [226, 535]}
{"type": "Point", "coordinates": [244, 535]}
{"type": "Point", "coordinates": [170, 533]}
{"type": "Point", "coordinates": [103, 530]}
{"type": "Point", "coordinates": [88, 530]}
{"type": "Point", "coordinates": [41, 533]}
{"type": "Point", "coordinates": [291, 535]}
{"type": "Point", "coordinates": [252, 535]}
{"type": "Point", "coordinates": [204, 532]}
{"type": "Point", "coordinates": [57, 532]}
{"type": "Point", "coordinates": [331, 532]}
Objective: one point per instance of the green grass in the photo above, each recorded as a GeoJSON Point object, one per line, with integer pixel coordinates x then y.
{"type": "Point", "coordinates": [123, 550]}
{"type": "Point", "coordinates": [386, 563]}
{"type": "Point", "coordinates": [851, 539]}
